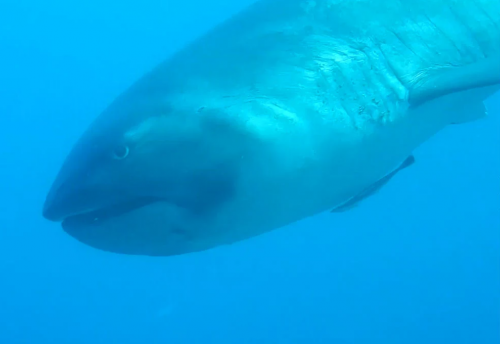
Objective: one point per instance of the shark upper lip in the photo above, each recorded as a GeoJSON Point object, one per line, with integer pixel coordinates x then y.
{"type": "Point", "coordinates": [72, 210]}
{"type": "Point", "coordinates": [99, 215]}
{"type": "Point", "coordinates": [70, 202]}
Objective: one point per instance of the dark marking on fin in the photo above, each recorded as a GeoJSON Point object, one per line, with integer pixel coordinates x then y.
{"type": "Point", "coordinates": [374, 188]}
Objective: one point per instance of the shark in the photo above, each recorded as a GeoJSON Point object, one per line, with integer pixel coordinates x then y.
{"type": "Point", "coordinates": [288, 109]}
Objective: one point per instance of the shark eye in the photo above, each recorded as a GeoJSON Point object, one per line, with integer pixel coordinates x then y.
{"type": "Point", "coordinates": [120, 152]}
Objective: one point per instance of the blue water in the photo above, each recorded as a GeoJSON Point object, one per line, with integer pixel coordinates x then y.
{"type": "Point", "coordinates": [417, 263]}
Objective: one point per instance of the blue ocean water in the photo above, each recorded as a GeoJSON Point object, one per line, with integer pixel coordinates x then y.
{"type": "Point", "coordinates": [417, 263]}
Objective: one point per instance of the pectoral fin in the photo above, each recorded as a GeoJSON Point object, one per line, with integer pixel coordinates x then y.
{"type": "Point", "coordinates": [457, 92]}
{"type": "Point", "coordinates": [447, 80]}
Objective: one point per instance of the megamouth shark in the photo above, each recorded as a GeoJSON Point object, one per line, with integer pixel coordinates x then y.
{"type": "Point", "coordinates": [288, 109]}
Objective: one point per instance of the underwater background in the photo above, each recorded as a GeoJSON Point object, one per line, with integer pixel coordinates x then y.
{"type": "Point", "coordinates": [417, 263]}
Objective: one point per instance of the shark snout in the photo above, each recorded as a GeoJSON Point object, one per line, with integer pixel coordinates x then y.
{"type": "Point", "coordinates": [58, 202]}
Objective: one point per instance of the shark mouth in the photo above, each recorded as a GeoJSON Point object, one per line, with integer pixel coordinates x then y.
{"type": "Point", "coordinates": [98, 216]}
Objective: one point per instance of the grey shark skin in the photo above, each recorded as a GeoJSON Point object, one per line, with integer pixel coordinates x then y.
{"type": "Point", "coordinates": [286, 110]}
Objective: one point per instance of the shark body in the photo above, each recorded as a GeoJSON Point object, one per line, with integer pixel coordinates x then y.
{"type": "Point", "coordinates": [286, 110]}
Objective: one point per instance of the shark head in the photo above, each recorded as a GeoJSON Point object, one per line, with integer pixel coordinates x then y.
{"type": "Point", "coordinates": [147, 177]}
